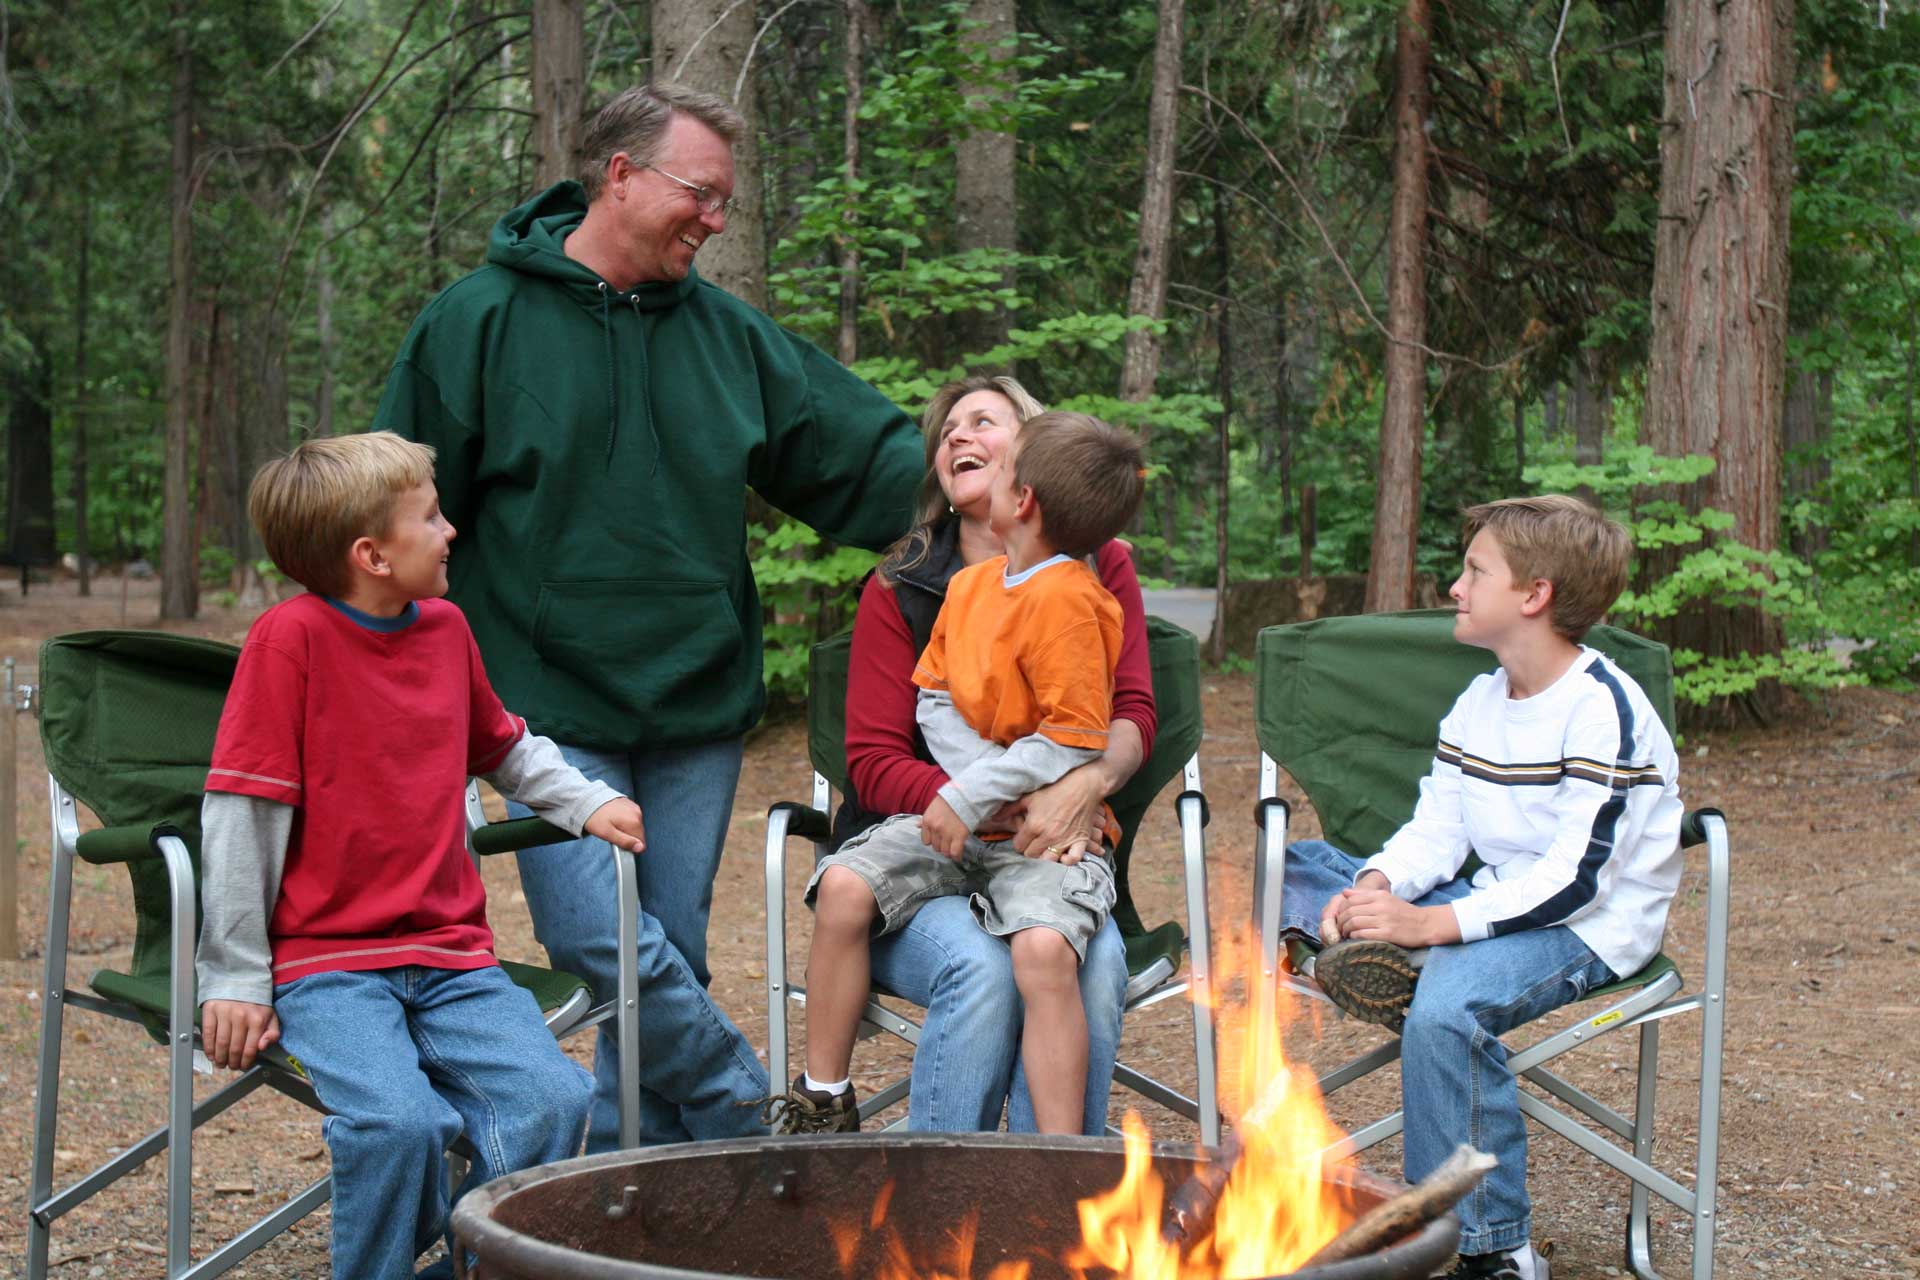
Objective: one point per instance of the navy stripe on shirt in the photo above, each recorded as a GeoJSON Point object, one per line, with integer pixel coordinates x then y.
{"type": "Point", "coordinates": [1586, 877]}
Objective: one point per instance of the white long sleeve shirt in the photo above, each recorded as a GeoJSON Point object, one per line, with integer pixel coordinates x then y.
{"type": "Point", "coordinates": [1569, 797]}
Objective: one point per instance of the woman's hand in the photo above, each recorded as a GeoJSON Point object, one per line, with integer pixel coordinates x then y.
{"type": "Point", "coordinates": [1059, 815]}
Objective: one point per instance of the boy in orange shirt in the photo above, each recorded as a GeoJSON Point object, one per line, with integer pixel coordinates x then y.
{"type": "Point", "coordinates": [1016, 689]}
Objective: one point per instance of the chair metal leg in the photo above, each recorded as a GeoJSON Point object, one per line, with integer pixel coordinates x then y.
{"type": "Point", "coordinates": [1200, 955]}
{"type": "Point", "coordinates": [238, 1249]}
{"type": "Point", "coordinates": [1639, 1237]}
{"type": "Point", "coordinates": [627, 1018]}
{"type": "Point", "coordinates": [777, 821]}
{"type": "Point", "coordinates": [180, 1056]}
{"type": "Point", "coordinates": [52, 1018]}
{"type": "Point", "coordinates": [1713, 1020]}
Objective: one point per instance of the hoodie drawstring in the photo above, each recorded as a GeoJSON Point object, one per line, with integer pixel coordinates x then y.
{"type": "Point", "coordinates": [646, 396]}
{"type": "Point", "coordinates": [613, 397]}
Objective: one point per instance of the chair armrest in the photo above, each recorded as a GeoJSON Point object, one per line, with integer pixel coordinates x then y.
{"type": "Point", "coordinates": [518, 833]}
{"type": "Point", "coordinates": [804, 820]}
{"type": "Point", "coordinates": [109, 845]}
{"type": "Point", "coordinates": [1693, 827]}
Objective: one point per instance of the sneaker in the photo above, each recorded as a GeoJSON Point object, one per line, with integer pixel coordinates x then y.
{"type": "Point", "coordinates": [1521, 1264]}
{"type": "Point", "coordinates": [1371, 981]}
{"type": "Point", "coordinates": [804, 1110]}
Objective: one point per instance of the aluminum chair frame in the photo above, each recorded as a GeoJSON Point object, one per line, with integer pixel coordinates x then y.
{"type": "Point", "coordinates": [811, 822]}
{"type": "Point", "coordinates": [273, 1070]}
{"type": "Point", "coordinates": [1644, 1008]}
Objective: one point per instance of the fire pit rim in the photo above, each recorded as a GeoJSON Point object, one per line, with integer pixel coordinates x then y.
{"type": "Point", "coordinates": [474, 1227]}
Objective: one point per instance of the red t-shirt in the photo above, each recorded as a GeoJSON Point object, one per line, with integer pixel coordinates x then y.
{"type": "Point", "coordinates": [370, 736]}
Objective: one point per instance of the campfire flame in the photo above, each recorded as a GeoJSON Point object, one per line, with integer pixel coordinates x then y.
{"type": "Point", "coordinates": [1275, 1211]}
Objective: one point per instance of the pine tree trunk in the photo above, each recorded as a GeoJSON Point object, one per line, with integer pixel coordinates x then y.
{"type": "Point", "coordinates": [857, 21]}
{"type": "Point", "coordinates": [1519, 442]}
{"type": "Point", "coordinates": [1147, 295]}
{"type": "Point", "coordinates": [83, 288]}
{"type": "Point", "coordinates": [1592, 406]}
{"type": "Point", "coordinates": [1396, 509]}
{"type": "Point", "coordinates": [1223, 260]}
{"type": "Point", "coordinates": [179, 555]}
{"type": "Point", "coordinates": [323, 331]}
{"type": "Point", "coordinates": [704, 44]}
{"type": "Point", "coordinates": [559, 88]}
{"type": "Point", "coordinates": [1805, 421]}
{"type": "Point", "coordinates": [1717, 365]}
{"type": "Point", "coordinates": [983, 169]}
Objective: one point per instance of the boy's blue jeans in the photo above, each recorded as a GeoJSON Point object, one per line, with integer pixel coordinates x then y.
{"type": "Point", "coordinates": [969, 1045]}
{"type": "Point", "coordinates": [695, 1066]}
{"type": "Point", "coordinates": [1454, 1082]}
{"type": "Point", "coordinates": [405, 1060]}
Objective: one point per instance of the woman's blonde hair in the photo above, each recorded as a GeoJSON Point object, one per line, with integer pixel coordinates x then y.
{"type": "Point", "coordinates": [930, 504]}
{"type": "Point", "coordinates": [311, 505]}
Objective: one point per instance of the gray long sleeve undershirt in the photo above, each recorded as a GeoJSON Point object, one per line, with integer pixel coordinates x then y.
{"type": "Point", "coordinates": [982, 774]}
{"type": "Point", "coordinates": [243, 852]}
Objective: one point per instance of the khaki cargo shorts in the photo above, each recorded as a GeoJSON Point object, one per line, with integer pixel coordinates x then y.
{"type": "Point", "coordinates": [1007, 890]}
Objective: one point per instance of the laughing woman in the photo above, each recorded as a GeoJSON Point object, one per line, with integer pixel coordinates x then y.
{"type": "Point", "coordinates": [966, 1067]}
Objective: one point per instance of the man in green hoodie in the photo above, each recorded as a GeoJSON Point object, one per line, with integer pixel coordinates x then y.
{"type": "Point", "coordinates": [600, 412]}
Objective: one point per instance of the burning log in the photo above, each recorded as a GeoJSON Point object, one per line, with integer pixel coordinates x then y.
{"type": "Point", "coordinates": [1412, 1209]}
{"type": "Point", "coordinates": [1190, 1207]}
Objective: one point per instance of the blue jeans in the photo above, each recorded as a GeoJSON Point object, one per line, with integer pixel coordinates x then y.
{"type": "Point", "coordinates": [967, 1060]}
{"type": "Point", "coordinates": [1454, 1083]}
{"type": "Point", "coordinates": [696, 1070]}
{"type": "Point", "coordinates": [405, 1060]}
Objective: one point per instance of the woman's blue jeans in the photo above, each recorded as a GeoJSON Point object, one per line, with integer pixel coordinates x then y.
{"type": "Point", "coordinates": [1454, 1083]}
{"type": "Point", "coordinates": [406, 1060]}
{"type": "Point", "coordinates": [698, 1075]}
{"type": "Point", "coordinates": [967, 1062]}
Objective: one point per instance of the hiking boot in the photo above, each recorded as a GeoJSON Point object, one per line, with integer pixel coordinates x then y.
{"type": "Point", "coordinates": [1369, 980]}
{"type": "Point", "coordinates": [804, 1110]}
{"type": "Point", "coordinates": [1526, 1263]}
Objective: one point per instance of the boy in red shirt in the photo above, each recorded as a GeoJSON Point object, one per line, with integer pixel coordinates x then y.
{"type": "Point", "coordinates": [1016, 688]}
{"type": "Point", "coordinates": [342, 914]}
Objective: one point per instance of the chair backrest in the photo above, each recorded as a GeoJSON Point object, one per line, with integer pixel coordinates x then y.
{"type": "Point", "coordinates": [1175, 658]}
{"type": "Point", "coordinates": [127, 721]}
{"type": "Point", "coordinates": [1349, 706]}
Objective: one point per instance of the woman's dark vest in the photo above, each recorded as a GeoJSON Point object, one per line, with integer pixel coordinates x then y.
{"type": "Point", "coordinates": [919, 591]}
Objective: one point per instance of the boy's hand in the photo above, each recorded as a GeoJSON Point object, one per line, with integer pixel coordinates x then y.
{"type": "Point", "coordinates": [235, 1031]}
{"type": "Point", "coordinates": [1374, 913]}
{"type": "Point", "coordinates": [942, 831]}
{"type": "Point", "coordinates": [1330, 931]}
{"type": "Point", "coordinates": [618, 823]}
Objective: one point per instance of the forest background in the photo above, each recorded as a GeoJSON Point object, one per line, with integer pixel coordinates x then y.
{"type": "Point", "coordinates": [1349, 265]}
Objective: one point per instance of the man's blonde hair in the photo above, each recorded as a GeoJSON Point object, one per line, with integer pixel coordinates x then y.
{"type": "Point", "coordinates": [636, 122]}
{"type": "Point", "coordinates": [1566, 541]}
{"type": "Point", "coordinates": [311, 505]}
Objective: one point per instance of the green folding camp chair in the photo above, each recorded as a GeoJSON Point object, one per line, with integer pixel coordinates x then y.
{"type": "Point", "coordinates": [1153, 955]}
{"type": "Point", "coordinates": [1348, 707]}
{"type": "Point", "coordinates": [127, 721]}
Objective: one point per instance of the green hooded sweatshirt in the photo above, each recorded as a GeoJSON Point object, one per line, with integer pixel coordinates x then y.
{"type": "Point", "coordinates": [595, 448]}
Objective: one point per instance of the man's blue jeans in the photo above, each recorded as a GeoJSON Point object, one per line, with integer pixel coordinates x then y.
{"type": "Point", "coordinates": [405, 1060]}
{"type": "Point", "coordinates": [696, 1069]}
{"type": "Point", "coordinates": [967, 1059]}
{"type": "Point", "coordinates": [1454, 1082]}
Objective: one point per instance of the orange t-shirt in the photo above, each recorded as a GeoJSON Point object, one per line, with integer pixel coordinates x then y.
{"type": "Point", "coordinates": [1034, 657]}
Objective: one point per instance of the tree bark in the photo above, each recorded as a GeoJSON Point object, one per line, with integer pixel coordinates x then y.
{"type": "Point", "coordinates": [983, 168]}
{"type": "Point", "coordinates": [705, 44]}
{"type": "Point", "coordinates": [1223, 259]}
{"type": "Point", "coordinates": [1519, 442]}
{"type": "Point", "coordinates": [179, 556]}
{"type": "Point", "coordinates": [1592, 412]}
{"type": "Point", "coordinates": [853, 71]}
{"type": "Point", "coordinates": [559, 88]}
{"type": "Point", "coordinates": [1805, 421]}
{"type": "Point", "coordinates": [1147, 295]}
{"type": "Point", "coordinates": [1718, 351]}
{"type": "Point", "coordinates": [323, 331]}
{"type": "Point", "coordinates": [30, 540]}
{"type": "Point", "coordinates": [83, 290]}
{"type": "Point", "coordinates": [1396, 509]}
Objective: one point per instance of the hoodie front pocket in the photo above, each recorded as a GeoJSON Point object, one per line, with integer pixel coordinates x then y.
{"type": "Point", "coordinates": [637, 648]}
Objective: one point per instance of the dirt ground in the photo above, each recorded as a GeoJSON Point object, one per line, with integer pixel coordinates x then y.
{"type": "Point", "coordinates": [1818, 1172]}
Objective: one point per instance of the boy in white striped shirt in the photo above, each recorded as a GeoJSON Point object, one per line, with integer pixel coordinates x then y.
{"type": "Point", "coordinates": [1556, 772]}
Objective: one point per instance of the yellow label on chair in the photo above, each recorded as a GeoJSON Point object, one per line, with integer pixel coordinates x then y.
{"type": "Point", "coordinates": [1606, 1019]}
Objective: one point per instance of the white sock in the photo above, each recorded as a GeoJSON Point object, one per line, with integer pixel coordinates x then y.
{"type": "Point", "coordinates": [1523, 1262]}
{"type": "Point", "coordinates": [836, 1088]}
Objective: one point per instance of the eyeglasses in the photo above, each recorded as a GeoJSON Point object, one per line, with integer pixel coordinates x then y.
{"type": "Point", "coordinates": [706, 199]}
